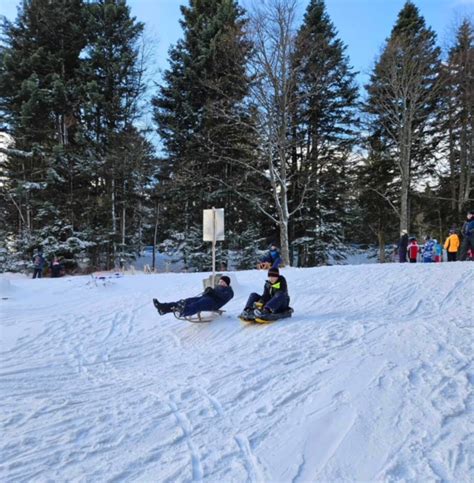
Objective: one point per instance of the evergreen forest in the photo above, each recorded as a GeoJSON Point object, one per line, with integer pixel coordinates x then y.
{"type": "Point", "coordinates": [259, 112]}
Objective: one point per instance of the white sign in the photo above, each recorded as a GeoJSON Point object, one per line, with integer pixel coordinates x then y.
{"type": "Point", "coordinates": [213, 225]}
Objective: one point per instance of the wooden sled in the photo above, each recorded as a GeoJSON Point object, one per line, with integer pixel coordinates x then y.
{"type": "Point", "coordinates": [201, 317]}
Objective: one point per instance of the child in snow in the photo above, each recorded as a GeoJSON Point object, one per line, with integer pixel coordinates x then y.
{"type": "Point", "coordinates": [272, 259]}
{"type": "Point", "coordinates": [428, 250]}
{"type": "Point", "coordinates": [211, 299]}
{"type": "Point", "coordinates": [56, 268]}
{"type": "Point", "coordinates": [38, 264]}
{"type": "Point", "coordinates": [403, 246]}
{"type": "Point", "coordinates": [451, 245]}
{"type": "Point", "coordinates": [412, 250]}
{"type": "Point", "coordinates": [438, 251]}
{"type": "Point", "coordinates": [275, 298]}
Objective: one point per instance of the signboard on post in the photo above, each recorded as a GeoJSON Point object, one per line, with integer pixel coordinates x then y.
{"type": "Point", "coordinates": [213, 230]}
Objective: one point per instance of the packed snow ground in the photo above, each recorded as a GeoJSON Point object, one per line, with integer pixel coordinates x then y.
{"type": "Point", "coordinates": [370, 380]}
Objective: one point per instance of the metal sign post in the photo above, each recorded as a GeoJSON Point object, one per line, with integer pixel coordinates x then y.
{"type": "Point", "coordinates": [213, 230]}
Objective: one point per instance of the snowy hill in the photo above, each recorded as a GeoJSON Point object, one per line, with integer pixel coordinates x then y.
{"type": "Point", "coordinates": [370, 380]}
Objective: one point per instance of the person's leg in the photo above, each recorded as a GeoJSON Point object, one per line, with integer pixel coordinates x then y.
{"type": "Point", "coordinates": [253, 297]}
{"type": "Point", "coordinates": [198, 304]}
{"type": "Point", "coordinates": [278, 303]}
{"type": "Point", "coordinates": [464, 249]}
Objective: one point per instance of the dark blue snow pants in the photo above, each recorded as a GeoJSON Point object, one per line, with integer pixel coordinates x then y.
{"type": "Point", "coordinates": [198, 304]}
{"type": "Point", "coordinates": [278, 303]}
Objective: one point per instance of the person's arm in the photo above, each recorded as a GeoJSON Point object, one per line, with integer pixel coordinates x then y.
{"type": "Point", "coordinates": [221, 294]}
{"type": "Point", "coordinates": [276, 262]}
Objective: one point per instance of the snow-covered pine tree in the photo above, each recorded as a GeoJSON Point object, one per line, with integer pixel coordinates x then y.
{"type": "Point", "coordinates": [118, 154]}
{"type": "Point", "coordinates": [39, 101]}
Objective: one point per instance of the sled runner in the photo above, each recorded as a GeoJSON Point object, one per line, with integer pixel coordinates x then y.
{"type": "Point", "coordinates": [201, 317]}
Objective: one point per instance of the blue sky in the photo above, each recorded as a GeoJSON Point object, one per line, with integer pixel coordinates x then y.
{"type": "Point", "coordinates": [363, 25]}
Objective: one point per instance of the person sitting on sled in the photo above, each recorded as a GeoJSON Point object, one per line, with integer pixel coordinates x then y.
{"type": "Point", "coordinates": [272, 259]}
{"type": "Point", "coordinates": [210, 300]}
{"type": "Point", "coordinates": [275, 298]}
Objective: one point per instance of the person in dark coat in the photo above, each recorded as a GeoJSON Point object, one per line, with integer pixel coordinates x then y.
{"type": "Point", "coordinates": [467, 237]}
{"type": "Point", "coordinates": [38, 264]}
{"type": "Point", "coordinates": [211, 299]}
{"type": "Point", "coordinates": [402, 247]}
{"type": "Point", "coordinates": [56, 268]}
{"type": "Point", "coordinates": [275, 298]}
{"type": "Point", "coordinates": [272, 259]}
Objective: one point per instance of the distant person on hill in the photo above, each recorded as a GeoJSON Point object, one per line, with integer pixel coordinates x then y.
{"type": "Point", "coordinates": [413, 250]}
{"type": "Point", "coordinates": [451, 245]}
{"type": "Point", "coordinates": [212, 299]}
{"type": "Point", "coordinates": [438, 251]}
{"type": "Point", "coordinates": [272, 259]}
{"type": "Point", "coordinates": [275, 298]}
{"type": "Point", "coordinates": [38, 264]}
{"type": "Point", "coordinates": [56, 268]}
{"type": "Point", "coordinates": [467, 233]}
{"type": "Point", "coordinates": [402, 247]}
{"type": "Point", "coordinates": [428, 250]}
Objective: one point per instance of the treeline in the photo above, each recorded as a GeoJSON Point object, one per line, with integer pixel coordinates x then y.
{"type": "Point", "coordinates": [256, 114]}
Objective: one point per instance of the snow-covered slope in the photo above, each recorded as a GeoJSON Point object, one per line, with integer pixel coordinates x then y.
{"type": "Point", "coordinates": [370, 380]}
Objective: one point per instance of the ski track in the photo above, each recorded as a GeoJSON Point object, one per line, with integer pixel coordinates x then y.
{"type": "Point", "coordinates": [370, 380]}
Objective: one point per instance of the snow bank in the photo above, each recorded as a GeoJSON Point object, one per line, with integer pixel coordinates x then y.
{"type": "Point", "coordinates": [370, 380]}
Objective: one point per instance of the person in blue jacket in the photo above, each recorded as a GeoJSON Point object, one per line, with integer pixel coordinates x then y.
{"type": "Point", "coordinates": [38, 264]}
{"type": "Point", "coordinates": [428, 250]}
{"type": "Point", "coordinates": [211, 299]}
{"type": "Point", "coordinates": [467, 236]}
{"type": "Point", "coordinates": [274, 299]}
{"type": "Point", "coordinates": [272, 258]}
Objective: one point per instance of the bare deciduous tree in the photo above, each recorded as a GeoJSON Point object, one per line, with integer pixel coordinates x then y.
{"type": "Point", "coordinates": [273, 33]}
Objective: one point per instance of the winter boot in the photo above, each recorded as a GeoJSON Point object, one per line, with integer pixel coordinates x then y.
{"type": "Point", "coordinates": [160, 307]}
{"type": "Point", "coordinates": [262, 313]}
{"type": "Point", "coordinates": [247, 314]}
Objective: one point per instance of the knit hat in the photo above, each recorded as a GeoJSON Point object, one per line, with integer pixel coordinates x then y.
{"type": "Point", "coordinates": [226, 279]}
{"type": "Point", "coordinates": [273, 272]}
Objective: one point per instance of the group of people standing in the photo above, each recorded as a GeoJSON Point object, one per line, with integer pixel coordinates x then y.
{"type": "Point", "coordinates": [39, 263]}
{"type": "Point", "coordinates": [432, 251]}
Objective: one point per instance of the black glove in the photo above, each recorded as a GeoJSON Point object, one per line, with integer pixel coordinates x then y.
{"type": "Point", "coordinates": [208, 290]}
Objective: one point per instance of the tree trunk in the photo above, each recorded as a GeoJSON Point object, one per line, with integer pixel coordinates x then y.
{"type": "Point", "coordinates": [381, 238]}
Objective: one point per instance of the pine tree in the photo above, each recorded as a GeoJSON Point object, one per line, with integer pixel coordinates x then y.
{"type": "Point", "coordinates": [39, 101]}
{"type": "Point", "coordinates": [322, 130]}
{"type": "Point", "coordinates": [457, 120]}
{"type": "Point", "coordinates": [203, 117]}
{"type": "Point", "coordinates": [113, 74]}
{"type": "Point", "coordinates": [377, 190]}
{"type": "Point", "coordinates": [403, 99]}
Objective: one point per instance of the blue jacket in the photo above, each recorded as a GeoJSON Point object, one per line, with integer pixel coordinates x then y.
{"type": "Point", "coordinates": [273, 257]}
{"type": "Point", "coordinates": [428, 249]}
{"type": "Point", "coordinates": [211, 299]}
{"type": "Point", "coordinates": [218, 296]}
{"type": "Point", "coordinates": [468, 229]}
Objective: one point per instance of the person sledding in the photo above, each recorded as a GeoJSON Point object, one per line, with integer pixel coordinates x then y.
{"type": "Point", "coordinates": [271, 260]}
{"type": "Point", "coordinates": [212, 299]}
{"type": "Point", "coordinates": [273, 304]}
